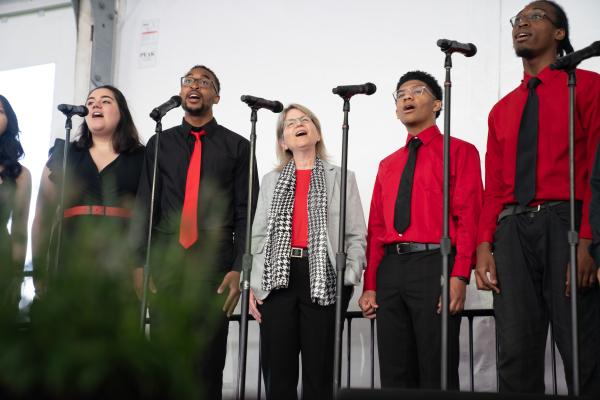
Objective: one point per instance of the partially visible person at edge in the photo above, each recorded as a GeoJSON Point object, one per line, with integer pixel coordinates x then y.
{"type": "Point", "coordinates": [103, 170]}
{"type": "Point", "coordinates": [404, 264]}
{"type": "Point", "coordinates": [15, 193]}
{"type": "Point", "coordinates": [523, 252]}
{"type": "Point", "coordinates": [199, 220]}
{"type": "Point", "coordinates": [595, 213]}
{"type": "Point", "coordinates": [293, 281]}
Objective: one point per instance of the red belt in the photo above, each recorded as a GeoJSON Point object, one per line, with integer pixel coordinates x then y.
{"type": "Point", "coordinates": [98, 210]}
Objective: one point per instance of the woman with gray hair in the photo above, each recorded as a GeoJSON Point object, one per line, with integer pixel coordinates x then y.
{"type": "Point", "coordinates": [293, 278]}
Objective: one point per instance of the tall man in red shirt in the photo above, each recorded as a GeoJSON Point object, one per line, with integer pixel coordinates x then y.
{"type": "Point", "coordinates": [402, 280]}
{"type": "Point", "coordinates": [523, 253]}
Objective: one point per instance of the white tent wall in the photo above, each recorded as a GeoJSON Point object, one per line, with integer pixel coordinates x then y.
{"type": "Point", "coordinates": [40, 38]}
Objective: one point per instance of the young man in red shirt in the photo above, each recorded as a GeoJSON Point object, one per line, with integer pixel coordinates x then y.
{"type": "Point", "coordinates": [402, 280]}
{"type": "Point", "coordinates": [523, 253]}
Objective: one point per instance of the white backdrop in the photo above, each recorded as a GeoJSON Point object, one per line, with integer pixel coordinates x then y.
{"type": "Point", "coordinates": [299, 51]}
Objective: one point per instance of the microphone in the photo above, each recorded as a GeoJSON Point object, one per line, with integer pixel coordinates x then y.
{"type": "Point", "coordinates": [165, 107]}
{"type": "Point", "coordinates": [452, 46]}
{"type": "Point", "coordinates": [258, 102]}
{"type": "Point", "coordinates": [573, 59]}
{"type": "Point", "coordinates": [350, 90]}
{"type": "Point", "coordinates": [69, 110]}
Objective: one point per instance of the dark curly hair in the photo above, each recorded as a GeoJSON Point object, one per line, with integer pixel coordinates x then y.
{"type": "Point", "coordinates": [562, 22]}
{"type": "Point", "coordinates": [427, 79]}
{"type": "Point", "coordinates": [125, 138]}
{"type": "Point", "coordinates": [204, 67]}
{"type": "Point", "coordinates": [10, 147]}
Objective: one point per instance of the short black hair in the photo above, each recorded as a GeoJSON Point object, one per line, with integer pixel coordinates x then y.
{"type": "Point", "coordinates": [10, 146]}
{"type": "Point", "coordinates": [217, 82]}
{"type": "Point", "coordinates": [427, 79]}
{"type": "Point", "coordinates": [562, 22]}
{"type": "Point", "coordinates": [126, 138]}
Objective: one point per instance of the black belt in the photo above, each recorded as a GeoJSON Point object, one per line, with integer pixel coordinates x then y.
{"type": "Point", "coordinates": [516, 209]}
{"type": "Point", "coordinates": [411, 247]}
{"type": "Point", "coordinates": [298, 252]}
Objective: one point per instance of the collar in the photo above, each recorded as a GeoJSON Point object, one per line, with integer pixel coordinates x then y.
{"type": "Point", "coordinates": [209, 127]}
{"type": "Point", "coordinates": [426, 135]}
{"type": "Point", "coordinates": [545, 76]}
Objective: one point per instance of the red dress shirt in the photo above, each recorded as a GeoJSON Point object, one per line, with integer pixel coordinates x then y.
{"type": "Point", "coordinates": [300, 216]}
{"type": "Point", "coordinates": [426, 214]}
{"type": "Point", "coordinates": [552, 175]}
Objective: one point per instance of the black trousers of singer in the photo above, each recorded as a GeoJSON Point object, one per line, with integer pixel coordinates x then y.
{"type": "Point", "coordinates": [408, 325]}
{"type": "Point", "coordinates": [293, 324]}
{"type": "Point", "coordinates": [531, 253]}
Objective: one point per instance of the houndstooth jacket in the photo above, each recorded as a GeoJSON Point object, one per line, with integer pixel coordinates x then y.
{"type": "Point", "coordinates": [356, 230]}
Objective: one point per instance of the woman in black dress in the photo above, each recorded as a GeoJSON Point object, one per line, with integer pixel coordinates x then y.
{"type": "Point", "coordinates": [15, 193]}
{"type": "Point", "coordinates": [104, 165]}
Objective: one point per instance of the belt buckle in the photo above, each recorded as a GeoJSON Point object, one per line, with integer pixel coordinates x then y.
{"type": "Point", "coordinates": [97, 210]}
{"type": "Point", "coordinates": [296, 252]}
{"type": "Point", "coordinates": [534, 210]}
{"type": "Point", "coordinates": [402, 248]}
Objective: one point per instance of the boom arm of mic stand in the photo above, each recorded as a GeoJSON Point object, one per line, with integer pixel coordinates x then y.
{"type": "Point", "coordinates": [246, 266]}
{"type": "Point", "coordinates": [146, 278]}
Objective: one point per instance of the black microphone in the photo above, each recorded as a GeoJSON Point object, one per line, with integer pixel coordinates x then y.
{"type": "Point", "coordinates": [258, 102]}
{"type": "Point", "coordinates": [165, 107]}
{"type": "Point", "coordinates": [350, 90]}
{"type": "Point", "coordinates": [452, 46]}
{"type": "Point", "coordinates": [573, 59]}
{"type": "Point", "coordinates": [69, 110]}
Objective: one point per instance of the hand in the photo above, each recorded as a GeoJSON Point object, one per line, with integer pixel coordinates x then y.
{"type": "Point", "coordinates": [138, 282]}
{"type": "Point", "coordinates": [586, 270]}
{"type": "Point", "coordinates": [368, 304]}
{"type": "Point", "coordinates": [253, 308]}
{"type": "Point", "coordinates": [485, 271]}
{"type": "Point", "coordinates": [231, 281]}
{"type": "Point", "coordinates": [458, 294]}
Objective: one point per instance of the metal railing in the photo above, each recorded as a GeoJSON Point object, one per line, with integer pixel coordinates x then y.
{"type": "Point", "coordinates": [350, 316]}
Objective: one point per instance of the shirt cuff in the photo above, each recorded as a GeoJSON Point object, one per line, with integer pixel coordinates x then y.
{"type": "Point", "coordinates": [486, 236]}
{"type": "Point", "coordinates": [462, 267]}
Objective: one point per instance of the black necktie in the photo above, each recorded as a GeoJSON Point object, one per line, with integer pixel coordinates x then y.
{"type": "Point", "coordinates": [527, 147]}
{"type": "Point", "coordinates": [402, 209]}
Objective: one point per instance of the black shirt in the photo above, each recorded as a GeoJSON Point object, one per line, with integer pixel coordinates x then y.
{"type": "Point", "coordinates": [95, 241]}
{"type": "Point", "coordinates": [223, 196]}
{"type": "Point", "coordinates": [116, 185]}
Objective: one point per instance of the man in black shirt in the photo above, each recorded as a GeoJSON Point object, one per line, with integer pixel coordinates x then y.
{"type": "Point", "coordinates": [198, 231]}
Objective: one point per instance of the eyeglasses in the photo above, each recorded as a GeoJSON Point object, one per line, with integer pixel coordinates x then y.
{"type": "Point", "coordinates": [294, 122]}
{"type": "Point", "coordinates": [202, 82]}
{"type": "Point", "coordinates": [534, 16]}
{"type": "Point", "coordinates": [413, 91]}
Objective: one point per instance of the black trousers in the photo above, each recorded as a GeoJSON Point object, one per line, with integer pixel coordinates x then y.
{"type": "Point", "coordinates": [531, 253]}
{"type": "Point", "coordinates": [293, 324]}
{"type": "Point", "coordinates": [408, 326]}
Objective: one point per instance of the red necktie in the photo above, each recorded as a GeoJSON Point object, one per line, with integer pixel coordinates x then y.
{"type": "Point", "coordinates": [188, 231]}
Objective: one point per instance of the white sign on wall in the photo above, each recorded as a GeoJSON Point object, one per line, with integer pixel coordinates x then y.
{"type": "Point", "coordinates": [148, 49]}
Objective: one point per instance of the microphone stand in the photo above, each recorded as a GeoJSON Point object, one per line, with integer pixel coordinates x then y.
{"type": "Point", "coordinates": [573, 235]}
{"type": "Point", "coordinates": [246, 267]}
{"type": "Point", "coordinates": [146, 274]}
{"type": "Point", "coordinates": [61, 201]}
{"type": "Point", "coordinates": [340, 257]}
{"type": "Point", "coordinates": [445, 243]}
